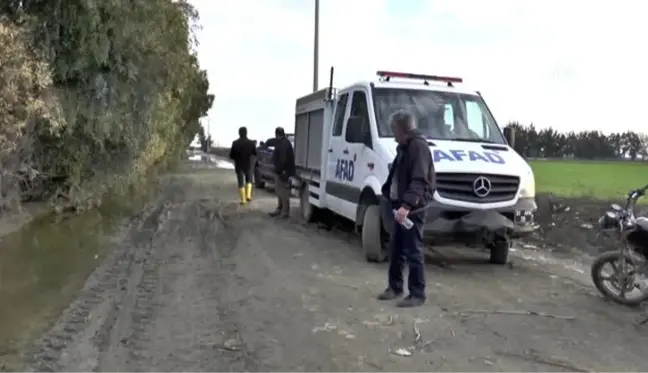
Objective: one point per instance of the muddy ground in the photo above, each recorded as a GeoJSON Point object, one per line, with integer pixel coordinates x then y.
{"type": "Point", "coordinates": [569, 225]}
{"type": "Point", "coordinates": [195, 283]}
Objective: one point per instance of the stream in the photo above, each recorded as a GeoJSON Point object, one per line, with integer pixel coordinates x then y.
{"type": "Point", "coordinates": [45, 263]}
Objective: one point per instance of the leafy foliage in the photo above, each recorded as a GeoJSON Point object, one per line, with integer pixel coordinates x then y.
{"type": "Point", "coordinates": [28, 108]}
{"type": "Point", "coordinates": [127, 84]}
{"type": "Point", "coordinates": [204, 140]}
{"type": "Point", "coordinates": [549, 143]}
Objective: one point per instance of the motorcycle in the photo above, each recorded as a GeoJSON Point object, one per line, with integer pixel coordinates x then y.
{"type": "Point", "coordinates": [629, 273]}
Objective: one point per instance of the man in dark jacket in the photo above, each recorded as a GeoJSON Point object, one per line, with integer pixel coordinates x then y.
{"type": "Point", "coordinates": [409, 186]}
{"type": "Point", "coordinates": [283, 158]}
{"type": "Point", "coordinates": [243, 152]}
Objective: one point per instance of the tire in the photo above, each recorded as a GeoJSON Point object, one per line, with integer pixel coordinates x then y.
{"type": "Point", "coordinates": [499, 252]}
{"type": "Point", "coordinates": [597, 278]}
{"type": "Point", "coordinates": [258, 182]}
{"type": "Point", "coordinates": [307, 211]}
{"type": "Point", "coordinates": [372, 235]}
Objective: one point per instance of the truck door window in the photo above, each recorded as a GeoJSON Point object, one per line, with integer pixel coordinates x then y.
{"type": "Point", "coordinates": [340, 110]}
{"type": "Point", "coordinates": [448, 118]}
{"type": "Point", "coordinates": [475, 120]}
{"type": "Point", "coordinates": [359, 109]}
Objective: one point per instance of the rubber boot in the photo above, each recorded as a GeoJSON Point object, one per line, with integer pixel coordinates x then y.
{"type": "Point", "coordinates": [248, 192]}
{"type": "Point", "coordinates": [242, 196]}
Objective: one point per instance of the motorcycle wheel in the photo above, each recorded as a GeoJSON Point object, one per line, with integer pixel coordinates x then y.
{"type": "Point", "coordinates": [628, 280]}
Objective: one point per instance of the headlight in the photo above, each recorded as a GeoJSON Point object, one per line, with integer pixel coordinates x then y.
{"type": "Point", "coordinates": [528, 186]}
{"type": "Point", "coordinates": [609, 220]}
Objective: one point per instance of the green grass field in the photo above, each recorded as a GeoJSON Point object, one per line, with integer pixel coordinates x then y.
{"type": "Point", "coordinates": [600, 180]}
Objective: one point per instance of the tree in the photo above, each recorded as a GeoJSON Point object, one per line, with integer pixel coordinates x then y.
{"type": "Point", "coordinates": [205, 141]}
{"type": "Point", "coordinates": [549, 143]}
{"type": "Point", "coordinates": [128, 83]}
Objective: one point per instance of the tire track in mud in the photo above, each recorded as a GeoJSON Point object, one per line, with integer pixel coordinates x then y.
{"type": "Point", "coordinates": [124, 335]}
{"type": "Point", "coordinates": [84, 331]}
{"type": "Point", "coordinates": [111, 325]}
{"type": "Point", "coordinates": [125, 342]}
{"type": "Point", "coordinates": [219, 231]}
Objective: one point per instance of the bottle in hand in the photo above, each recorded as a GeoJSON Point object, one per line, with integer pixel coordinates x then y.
{"type": "Point", "coordinates": [407, 223]}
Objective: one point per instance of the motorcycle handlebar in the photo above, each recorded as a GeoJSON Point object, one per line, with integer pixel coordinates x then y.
{"type": "Point", "coordinates": [643, 190]}
{"type": "Point", "coordinates": [635, 194]}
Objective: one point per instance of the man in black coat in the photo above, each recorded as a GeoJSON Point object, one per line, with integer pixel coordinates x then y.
{"type": "Point", "coordinates": [283, 158]}
{"type": "Point", "coordinates": [409, 186]}
{"type": "Point", "coordinates": [243, 153]}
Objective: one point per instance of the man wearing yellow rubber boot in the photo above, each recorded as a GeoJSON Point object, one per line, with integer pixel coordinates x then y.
{"type": "Point", "coordinates": [242, 152]}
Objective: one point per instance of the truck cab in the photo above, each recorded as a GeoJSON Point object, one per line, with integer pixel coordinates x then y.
{"type": "Point", "coordinates": [344, 146]}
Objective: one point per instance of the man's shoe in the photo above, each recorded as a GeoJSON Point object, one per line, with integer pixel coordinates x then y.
{"type": "Point", "coordinates": [389, 294]}
{"type": "Point", "coordinates": [274, 214]}
{"type": "Point", "coordinates": [411, 301]}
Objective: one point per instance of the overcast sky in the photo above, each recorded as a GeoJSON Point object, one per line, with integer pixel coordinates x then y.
{"type": "Point", "coordinates": [568, 64]}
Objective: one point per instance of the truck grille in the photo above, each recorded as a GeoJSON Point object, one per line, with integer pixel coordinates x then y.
{"type": "Point", "coordinates": [459, 187]}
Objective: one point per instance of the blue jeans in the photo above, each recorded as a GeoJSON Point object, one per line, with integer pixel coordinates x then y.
{"type": "Point", "coordinates": [406, 246]}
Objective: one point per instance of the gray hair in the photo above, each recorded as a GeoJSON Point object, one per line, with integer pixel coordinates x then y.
{"type": "Point", "coordinates": [403, 119]}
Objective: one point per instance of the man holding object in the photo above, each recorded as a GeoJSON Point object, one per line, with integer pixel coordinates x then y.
{"type": "Point", "coordinates": [409, 186]}
{"type": "Point", "coordinates": [283, 158]}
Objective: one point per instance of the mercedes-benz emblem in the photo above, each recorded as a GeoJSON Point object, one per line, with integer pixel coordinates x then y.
{"type": "Point", "coordinates": [481, 187]}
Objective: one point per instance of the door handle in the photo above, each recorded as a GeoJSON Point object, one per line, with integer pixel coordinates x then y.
{"type": "Point", "coordinates": [345, 151]}
{"type": "Point", "coordinates": [331, 150]}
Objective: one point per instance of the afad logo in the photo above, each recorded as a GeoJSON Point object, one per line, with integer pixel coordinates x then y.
{"type": "Point", "coordinates": [462, 156]}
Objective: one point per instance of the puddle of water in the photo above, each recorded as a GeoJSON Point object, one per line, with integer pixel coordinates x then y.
{"type": "Point", "coordinates": [224, 164]}
{"type": "Point", "coordinates": [43, 266]}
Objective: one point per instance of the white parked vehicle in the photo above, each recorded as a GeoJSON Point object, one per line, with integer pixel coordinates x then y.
{"type": "Point", "coordinates": [485, 191]}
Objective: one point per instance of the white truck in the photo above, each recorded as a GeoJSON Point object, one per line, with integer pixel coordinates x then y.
{"type": "Point", "coordinates": [485, 191]}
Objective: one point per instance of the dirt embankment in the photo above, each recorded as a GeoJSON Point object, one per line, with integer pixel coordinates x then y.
{"type": "Point", "coordinates": [569, 225]}
{"type": "Point", "coordinates": [196, 283]}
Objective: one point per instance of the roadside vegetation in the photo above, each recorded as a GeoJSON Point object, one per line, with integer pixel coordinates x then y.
{"type": "Point", "coordinates": [587, 164]}
{"type": "Point", "coordinates": [601, 180]}
{"type": "Point", "coordinates": [94, 95]}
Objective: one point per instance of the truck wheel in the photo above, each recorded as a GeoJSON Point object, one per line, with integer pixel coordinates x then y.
{"type": "Point", "coordinates": [258, 182]}
{"type": "Point", "coordinates": [372, 235]}
{"type": "Point", "coordinates": [307, 210]}
{"type": "Point", "coordinates": [499, 251]}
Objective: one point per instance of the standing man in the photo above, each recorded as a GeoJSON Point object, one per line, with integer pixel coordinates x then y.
{"type": "Point", "coordinates": [409, 186]}
{"type": "Point", "coordinates": [283, 158]}
{"type": "Point", "coordinates": [242, 153]}
{"type": "Point", "coordinates": [253, 162]}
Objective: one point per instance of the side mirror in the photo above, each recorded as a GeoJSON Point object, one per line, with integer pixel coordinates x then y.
{"type": "Point", "coordinates": [509, 134]}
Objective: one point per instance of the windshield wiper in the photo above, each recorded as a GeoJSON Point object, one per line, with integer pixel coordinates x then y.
{"type": "Point", "coordinates": [476, 140]}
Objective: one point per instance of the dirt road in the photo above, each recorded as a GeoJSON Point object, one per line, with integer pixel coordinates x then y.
{"type": "Point", "coordinates": [196, 284]}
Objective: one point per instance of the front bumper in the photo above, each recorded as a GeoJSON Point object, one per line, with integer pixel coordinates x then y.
{"type": "Point", "coordinates": [514, 221]}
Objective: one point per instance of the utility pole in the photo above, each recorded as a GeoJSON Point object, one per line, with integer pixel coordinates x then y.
{"type": "Point", "coordinates": [316, 47]}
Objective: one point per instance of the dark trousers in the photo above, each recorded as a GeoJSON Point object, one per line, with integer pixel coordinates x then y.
{"type": "Point", "coordinates": [406, 246]}
{"type": "Point", "coordinates": [282, 190]}
{"type": "Point", "coordinates": [243, 176]}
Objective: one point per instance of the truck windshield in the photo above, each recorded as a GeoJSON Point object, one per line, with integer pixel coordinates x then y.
{"type": "Point", "coordinates": [440, 115]}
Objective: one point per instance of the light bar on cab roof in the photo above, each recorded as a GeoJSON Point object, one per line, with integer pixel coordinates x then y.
{"type": "Point", "coordinates": [393, 74]}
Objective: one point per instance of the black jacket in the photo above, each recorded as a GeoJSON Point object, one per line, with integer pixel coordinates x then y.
{"type": "Point", "coordinates": [283, 157]}
{"type": "Point", "coordinates": [414, 172]}
{"type": "Point", "coordinates": [242, 152]}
